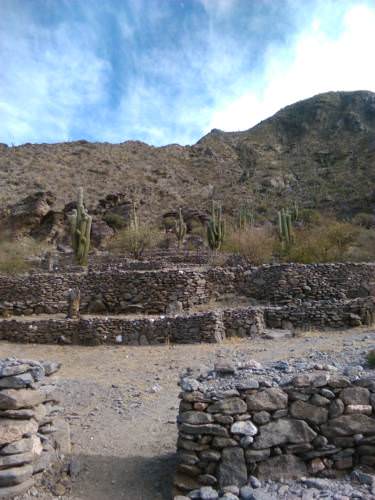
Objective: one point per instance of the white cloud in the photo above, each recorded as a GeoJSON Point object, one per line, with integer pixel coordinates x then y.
{"type": "Point", "coordinates": [317, 63]}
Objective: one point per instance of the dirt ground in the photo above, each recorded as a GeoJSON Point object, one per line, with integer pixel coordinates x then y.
{"type": "Point", "coordinates": [122, 403]}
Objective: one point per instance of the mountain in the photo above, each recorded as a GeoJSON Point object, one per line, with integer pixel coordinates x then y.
{"type": "Point", "coordinates": [319, 151]}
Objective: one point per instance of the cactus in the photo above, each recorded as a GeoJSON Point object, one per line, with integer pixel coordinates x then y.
{"type": "Point", "coordinates": [134, 222]}
{"type": "Point", "coordinates": [215, 228]}
{"type": "Point", "coordinates": [80, 222]}
{"type": "Point", "coordinates": [180, 228]}
{"type": "Point", "coordinates": [245, 217]}
{"type": "Point", "coordinates": [285, 228]}
{"type": "Point", "coordinates": [294, 212]}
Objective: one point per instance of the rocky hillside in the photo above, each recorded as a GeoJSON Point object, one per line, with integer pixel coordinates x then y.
{"type": "Point", "coordinates": [320, 151]}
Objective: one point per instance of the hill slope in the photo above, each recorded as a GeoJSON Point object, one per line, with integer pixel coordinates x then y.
{"type": "Point", "coordinates": [320, 151]}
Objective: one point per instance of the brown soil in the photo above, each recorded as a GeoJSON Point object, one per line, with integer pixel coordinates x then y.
{"type": "Point", "coordinates": [122, 404]}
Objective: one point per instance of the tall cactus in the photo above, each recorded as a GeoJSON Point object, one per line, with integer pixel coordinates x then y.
{"type": "Point", "coordinates": [215, 228]}
{"type": "Point", "coordinates": [134, 222]}
{"type": "Point", "coordinates": [285, 228]}
{"type": "Point", "coordinates": [80, 223]}
{"type": "Point", "coordinates": [180, 228]}
{"type": "Point", "coordinates": [245, 217]}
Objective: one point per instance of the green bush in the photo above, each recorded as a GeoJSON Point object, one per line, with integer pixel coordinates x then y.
{"type": "Point", "coordinates": [16, 255]}
{"type": "Point", "coordinates": [329, 242]}
{"type": "Point", "coordinates": [115, 221]}
{"type": "Point", "coordinates": [136, 240]}
{"type": "Point", "coordinates": [371, 358]}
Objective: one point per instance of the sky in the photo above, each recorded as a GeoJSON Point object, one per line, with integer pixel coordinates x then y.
{"type": "Point", "coordinates": [169, 71]}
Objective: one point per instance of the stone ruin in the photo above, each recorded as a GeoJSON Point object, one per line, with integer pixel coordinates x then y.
{"type": "Point", "coordinates": [139, 306]}
{"type": "Point", "coordinates": [235, 425]}
{"type": "Point", "coordinates": [33, 437]}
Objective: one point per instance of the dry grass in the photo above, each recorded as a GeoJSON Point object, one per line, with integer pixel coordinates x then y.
{"type": "Point", "coordinates": [254, 244]}
{"type": "Point", "coordinates": [16, 256]}
{"type": "Point", "coordinates": [135, 241]}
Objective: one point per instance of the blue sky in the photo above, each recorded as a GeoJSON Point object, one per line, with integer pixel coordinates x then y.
{"type": "Point", "coordinates": [166, 71]}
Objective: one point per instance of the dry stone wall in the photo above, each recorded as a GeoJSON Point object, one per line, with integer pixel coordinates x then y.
{"type": "Point", "coordinates": [235, 425]}
{"type": "Point", "coordinates": [32, 436]}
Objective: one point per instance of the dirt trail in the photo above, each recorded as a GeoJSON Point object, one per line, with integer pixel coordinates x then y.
{"type": "Point", "coordinates": [122, 404]}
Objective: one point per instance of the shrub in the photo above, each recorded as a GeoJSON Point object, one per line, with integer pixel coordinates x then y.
{"type": "Point", "coordinates": [115, 221]}
{"type": "Point", "coordinates": [255, 244]}
{"type": "Point", "coordinates": [364, 220]}
{"type": "Point", "coordinates": [16, 255]}
{"type": "Point", "coordinates": [371, 358]}
{"type": "Point", "coordinates": [136, 240]}
{"type": "Point", "coordinates": [330, 242]}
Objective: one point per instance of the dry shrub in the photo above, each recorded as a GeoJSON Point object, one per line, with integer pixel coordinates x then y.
{"type": "Point", "coordinates": [16, 255]}
{"type": "Point", "coordinates": [253, 243]}
{"type": "Point", "coordinates": [328, 242]}
{"type": "Point", "coordinates": [135, 241]}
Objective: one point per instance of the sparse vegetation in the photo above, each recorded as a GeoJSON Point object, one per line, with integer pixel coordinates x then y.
{"type": "Point", "coordinates": [16, 255]}
{"type": "Point", "coordinates": [255, 244]}
{"type": "Point", "coordinates": [115, 221]}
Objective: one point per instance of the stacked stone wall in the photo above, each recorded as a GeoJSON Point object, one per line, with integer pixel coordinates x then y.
{"type": "Point", "coordinates": [32, 436]}
{"type": "Point", "coordinates": [236, 426]}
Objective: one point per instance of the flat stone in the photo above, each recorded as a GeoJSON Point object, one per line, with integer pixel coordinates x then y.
{"type": "Point", "coordinates": [185, 482]}
{"type": "Point", "coordinates": [224, 367]}
{"type": "Point", "coordinates": [230, 406]}
{"type": "Point", "coordinates": [13, 430]}
{"type": "Point", "coordinates": [223, 442]}
{"type": "Point", "coordinates": [16, 381]}
{"type": "Point", "coordinates": [19, 489]}
{"type": "Point", "coordinates": [210, 429]}
{"type": "Point", "coordinates": [365, 409]}
{"type": "Point", "coordinates": [310, 413]}
{"type": "Point", "coordinates": [31, 444]}
{"type": "Point", "coordinates": [195, 417]}
{"type": "Point", "coordinates": [13, 399]}
{"type": "Point", "coordinates": [275, 334]}
{"type": "Point", "coordinates": [245, 427]}
{"type": "Point", "coordinates": [15, 475]}
{"type": "Point", "coordinates": [310, 379]}
{"type": "Point", "coordinates": [355, 396]}
{"type": "Point", "coordinates": [232, 468]}
{"type": "Point", "coordinates": [348, 425]}
{"type": "Point", "coordinates": [210, 456]}
{"type": "Point", "coordinates": [282, 467]}
{"type": "Point", "coordinates": [7, 461]}
{"type": "Point", "coordinates": [267, 400]}
{"type": "Point", "coordinates": [257, 455]}
{"type": "Point", "coordinates": [337, 381]}
{"type": "Point", "coordinates": [283, 431]}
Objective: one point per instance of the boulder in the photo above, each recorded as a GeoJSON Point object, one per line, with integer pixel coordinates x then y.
{"type": "Point", "coordinates": [245, 428]}
{"type": "Point", "coordinates": [232, 469]}
{"type": "Point", "coordinates": [355, 396]}
{"type": "Point", "coordinates": [195, 417]}
{"type": "Point", "coordinates": [230, 406]}
{"type": "Point", "coordinates": [310, 413]}
{"type": "Point", "coordinates": [267, 400]}
{"type": "Point", "coordinates": [283, 431]}
{"type": "Point", "coordinates": [348, 425]}
{"type": "Point", "coordinates": [13, 430]}
{"type": "Point", "coordinates": [12, 399]}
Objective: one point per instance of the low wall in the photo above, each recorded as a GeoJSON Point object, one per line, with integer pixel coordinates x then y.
{"type": "Point", "coordinates": [32, 436]}
{"type": "Point", "coordinates": [196, 328]}
{"type": "Point", "coordinates": [117, 291]}
{"type": "Point", "coordinates": [237, 425]}
{"type": "Point", "coordinates": [210, 326]}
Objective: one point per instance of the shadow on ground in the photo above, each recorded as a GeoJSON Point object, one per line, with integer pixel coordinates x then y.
{"type": "Point", "coordinates": [124, 478]}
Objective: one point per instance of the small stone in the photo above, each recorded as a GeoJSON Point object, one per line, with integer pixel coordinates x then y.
{"type": "Point", "coordinates": [365, 409]}
{"type": "Point", "coordinates": [267, 399]}
{"type": "Point", "coordinates": [189, 384]}
{"type": "Point", "coordinates": [261, 417]}
{"type": "Point", "coordinates": [246, 428]}
{"type": "Point", "coordinates": [224, 367]}
{"type": "Point", "coordinates": [254, 481]}
{"type": "Point", "coordinates": [246, 493]}
{"type": "Point", "coordinates": [208, 493]}
{"type": "Point", "coordinates": [355, 396]}
{"type": "Point", "coordinates": [195, 417]}
{"type": "Point", "coordinates": [230, 406]}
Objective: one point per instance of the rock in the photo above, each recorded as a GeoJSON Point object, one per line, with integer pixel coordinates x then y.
{"type": "Point", "coordinates": [336, 408]}
{"type": "Point", "coordinates": [310, 379]}
{"type": "Point", "coordinates": [310, 413]}
{"type": "Point", "coordinates": [15, 475]}
{"type": "Point", "coordinates": [208, 493]}
{"type": "Point", "coordinates": [283, 431]}
{"type": "Point", "coordinates": [16, 381]}
{"type": "Point", "coordinates": [50, 367]}
{"type": "Point", "coordinates": [267, 400]}
{"type": "Point", "coordinates": [230, 406]}
{"type": "Point", "coordinates": [348, 425]}
{"type": "Point", "coordinates": [337, 381]}
{"type": "Point", "coordinates": [21, 446]}
{"type": "Point", "coordinates": [246, 493]}
{"type": "Point", "coordinates": [223, 442]}
{"type": "Point", "coordinates": [246, 428]}
{"type": "Point", "coordinates": [13, 430]}
{"type": "Point", "coordinates": [195, 417]}
{"type": "Point", "coordinates": [316, 465]}
{"type": "Point", "coordinates": [261, 417]}
{"type": "Point", "coordinates": [355, 396]}
{"type": "Point", "coordinates": [319, 400]}
{"type": "Point", "coordinates": [232, 469]}
{"type": "Point", "coordinates": [185, 483]}
{"type": "Point", "coordinates": [12, 491]}
{"type": "Point", "coordinates": [254, 481]}
{"type": "Point", "coordinates": [210, 456]}
{"type": "Point", "coordinates": [257, 455]}
{"type": "Point", "coordinates": [189, 384]}
{"type": "Point", "coordinates": [282, 467]}
{"type": "Point", "coordinates": [365, 409]}
{"type": "Point", "coordinates": [224, 367]}
{"type": "Point", "coordinates": [12, 399]}
{"type": "Point", "coordinates": [8, 461]}
{"type": "Point", "coordinates": [210, 429]}
{"type": "Point", "coordinates": [275, 334]}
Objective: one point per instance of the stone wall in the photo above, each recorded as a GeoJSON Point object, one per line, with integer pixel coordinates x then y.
{"type": "Point", "coordinates": [286, 283]}
{"type": "Point", "coordinates": [195, 328]}
{"type": "Point", "coordinates": [233, 425]}
{"type": "Point", "coordinates": [32, 436]}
